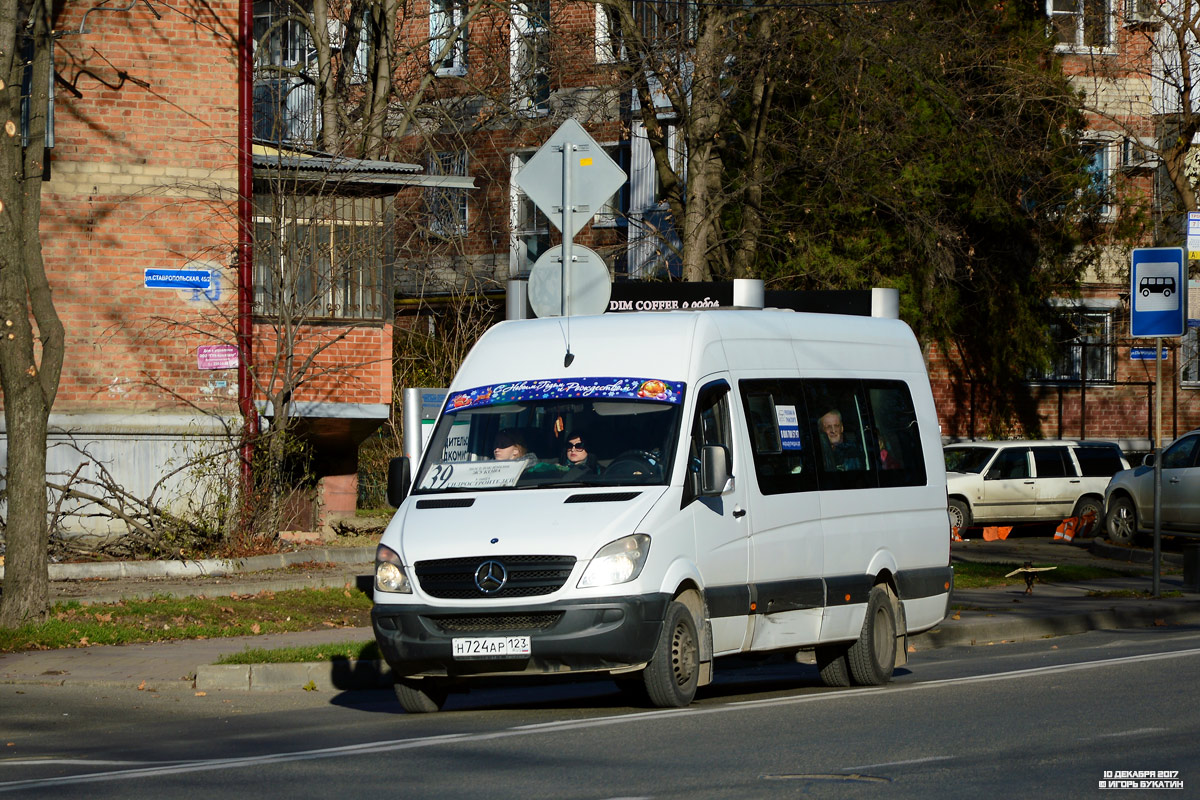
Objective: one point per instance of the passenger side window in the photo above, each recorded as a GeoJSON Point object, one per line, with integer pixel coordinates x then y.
{"type": "Point", "coordinates": [1012, 463]}
{"type": "Point", "coordinates": [782, 448]}
{"type": "Point", "coordinates": [1053, 462]}
{"type": "Point", "coordinates": [799, 444]}
{"type": "Point", "coordinates": [901, 460]}
{"type": "Point", "coordinates": [842, 432]}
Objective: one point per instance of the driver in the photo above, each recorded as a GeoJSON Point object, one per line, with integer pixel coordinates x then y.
{"type": "Point", "coordinates": [576, 456]}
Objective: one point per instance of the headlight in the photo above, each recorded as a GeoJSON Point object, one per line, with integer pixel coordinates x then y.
{"type": "Point", "coordinates": [389, 572]}
{"type": "Point", "coordinates": [617, 562]}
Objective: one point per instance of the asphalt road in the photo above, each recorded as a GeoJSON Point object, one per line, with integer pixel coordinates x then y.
{"type": "Point", "coordinates": [1035, 719]}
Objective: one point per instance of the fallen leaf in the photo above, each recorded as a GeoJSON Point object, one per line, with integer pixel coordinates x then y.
{"type": "Point", "coordinates": [346, 592]}
{"type": "Point", "coordinates": [256, 628]}
{"type": "Point", "coordinates": [142, 686]}
{"type": "Point", "coordinates": [104, 617]}
{"type": "Point", "coordinates": [201, 694]}
{"type": "Point", "coordinates": [912, 649]}
{"type": "Point", "coordinates": [310, 686]}
{"type": "Point", "coordinates": [83, 641]}
{"type": "Point", "coordinates": [956, 616]}
{"type": "Point", "coordinates": [1159, 623]}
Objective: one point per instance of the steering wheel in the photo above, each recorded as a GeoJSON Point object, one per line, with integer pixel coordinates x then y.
{"type": "Point", "coordinates": [635, 464]}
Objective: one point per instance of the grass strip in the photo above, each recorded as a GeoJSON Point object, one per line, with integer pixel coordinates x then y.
{"type": "Point", "coordinates": [168, 618]}
{"type": "Point", "coordinates": [368, 651]}
{"type": "Point", "coordinates": [978, 575]}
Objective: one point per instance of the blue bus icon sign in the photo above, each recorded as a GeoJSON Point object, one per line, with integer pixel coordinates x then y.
{"type": "Point", "coordinates": [1158, 306]}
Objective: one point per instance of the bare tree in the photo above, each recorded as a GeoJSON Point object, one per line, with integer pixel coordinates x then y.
{"type": "Point", "coordinates": [32, 341]}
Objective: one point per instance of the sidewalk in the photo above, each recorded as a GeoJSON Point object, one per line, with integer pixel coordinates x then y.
{"type": "Point", "coordinates": [978, 617]}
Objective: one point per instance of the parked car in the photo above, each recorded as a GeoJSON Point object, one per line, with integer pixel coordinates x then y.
{"type": "Point", "coordinates": [1129, 498]}
{"type": "Point", "coordinates": [1004, 483]}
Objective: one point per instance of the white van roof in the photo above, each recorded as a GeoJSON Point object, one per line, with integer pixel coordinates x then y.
{"type": "Point", "coordinates": [679, 345]}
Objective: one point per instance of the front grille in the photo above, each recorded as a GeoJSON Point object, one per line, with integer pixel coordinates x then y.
{"type": "Point", "coordinates": [492, 623]}
{"type": "Point", "coordinates": [528, 576]}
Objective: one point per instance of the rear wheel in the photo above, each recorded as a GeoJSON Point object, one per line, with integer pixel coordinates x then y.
{"type": "Point", "coordinates": [673, 673]}
{"type": "Point", "coordinates": [420, 695]}
{"type": "Point", "coordinates": [831, 661]}
{"type": "Point", "coordinates": [960, 514]}
{"type": "Point", "coordinates": [873, 656]}
{"type": "Point", "coordinates": [1085, 506]}
{"type": "Point", "coordinates": [1121, 523]}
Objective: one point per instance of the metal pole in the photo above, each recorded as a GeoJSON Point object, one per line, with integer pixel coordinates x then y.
{"type": "Point", "coordinates": [245, 253]}
{"type": "Point", "coordinates": [1157, 463]}
{"type": "Point", "coordinates": [568, 162]}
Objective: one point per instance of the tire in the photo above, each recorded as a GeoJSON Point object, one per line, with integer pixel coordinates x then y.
{"type": "Point", "coordinates": [960, 514]}
{"type": "Point", "coordinates": [673, 673]}
{"type": "Point", "coordinates": [420, 695]}
{"type": "Point", "coordinates": [832, 663]}
{"type": "Point", "coordinates": [1121, 523]}
{"type": "Point", "coordinates": [1094, 505]}
{"type": "Point", "coordinates": [873, 656]}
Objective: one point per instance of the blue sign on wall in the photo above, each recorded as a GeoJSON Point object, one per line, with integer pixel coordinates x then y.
{"type": "Point", "coordinates": [1158, 291]}
{"type": "Point", "coordinates": [178, 278]}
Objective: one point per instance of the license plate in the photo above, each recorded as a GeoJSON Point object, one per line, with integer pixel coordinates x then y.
{"type": "Point", "coordinates": [491, 647]}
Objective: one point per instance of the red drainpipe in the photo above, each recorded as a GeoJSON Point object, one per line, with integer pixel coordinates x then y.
{"type": "Point", "coordinates": [245, 252]}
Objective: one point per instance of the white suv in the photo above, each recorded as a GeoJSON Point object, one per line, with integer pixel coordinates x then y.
{"type": "Point", "coordinates": [1001, 483]}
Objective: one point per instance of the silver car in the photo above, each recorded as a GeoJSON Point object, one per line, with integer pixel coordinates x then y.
{"type": "Point", "coordinates": [1010, 482]}
{"type": "Point", "coordinates": [1129, 498]}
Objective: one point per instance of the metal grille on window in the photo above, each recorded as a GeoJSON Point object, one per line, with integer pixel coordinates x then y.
{"type": "Point", "coordinates": [320, 258]}
{"type": "Point", "coordinates": [447, 208]}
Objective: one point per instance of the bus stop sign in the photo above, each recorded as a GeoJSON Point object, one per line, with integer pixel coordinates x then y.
{"type": "Point", "coordinates": [1158, 292]}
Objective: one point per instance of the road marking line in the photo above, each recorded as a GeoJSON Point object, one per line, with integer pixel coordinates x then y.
{"type": "Point", "coordinates": [394, 745]}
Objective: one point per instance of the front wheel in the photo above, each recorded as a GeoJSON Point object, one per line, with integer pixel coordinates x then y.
{"type": "Point", "coordinates": [673, 673]}
{"type": "Point", "coordinates": [873, 655]}
{"type": "Point", "coordinates": [420, 695]}
{"type": "Point", "coordinates": [1121, 522]}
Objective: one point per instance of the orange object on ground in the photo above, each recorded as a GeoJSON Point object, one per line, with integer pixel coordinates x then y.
{"type": "Point", "coordinates": [994, 533]}
{"type": "Point", "coordinates": [1065, 531]}
{"type": "Point", "coordinates": [955, 536]}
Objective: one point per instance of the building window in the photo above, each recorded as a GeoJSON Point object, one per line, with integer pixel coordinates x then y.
{"type": "Point", "coordinates": [529, 46]}
{"type": "Point", "coordinates": [662, 21]}
{"type": "Point", "coordinates": [321, 258]}
{"type": "Point", "coordinates": [1081, 24]}
{"type": "Point", "coordinates": [447, 37]}
{"type": "Point", "coordinates": [530, 228]}
{"type": "Point", "coordinates": [609, 47]}
{"type": "Point", "coordinates": [1084, 342]}
{"type": "Point", "coordinates": [285, 72]}
{"type": "Point", "coordinates": [1102, 160]}
{"type": "Point", "coordinates": [447, 208]}
{"type": "Point", "coordinates": [1189, 358]}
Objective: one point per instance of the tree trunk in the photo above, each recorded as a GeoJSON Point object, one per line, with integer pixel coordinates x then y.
{"type": "Point", "coordinates": [31, 334]}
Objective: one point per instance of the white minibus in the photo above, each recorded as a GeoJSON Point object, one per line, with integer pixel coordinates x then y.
{"type": "Point", "coordinates": [643, 494]}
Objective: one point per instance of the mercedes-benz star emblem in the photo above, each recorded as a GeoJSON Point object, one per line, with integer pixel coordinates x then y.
{"type": "Point", "coordinates": [491, 577]}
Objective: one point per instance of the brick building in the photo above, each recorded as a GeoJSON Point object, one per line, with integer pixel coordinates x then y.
{"type": "Point", "coordinates": [1118, 54]}
{"type": "Point", "coordinates": [140, 236]}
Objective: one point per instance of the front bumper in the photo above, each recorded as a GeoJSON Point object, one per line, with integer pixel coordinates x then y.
{"type": "Point", "coordinates": [597, 634]}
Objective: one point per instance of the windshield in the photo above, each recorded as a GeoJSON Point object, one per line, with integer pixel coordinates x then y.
{"type": "Point", "coordinates": [967, 459]}
{"type": "Point", "coordinates": [554, 432]}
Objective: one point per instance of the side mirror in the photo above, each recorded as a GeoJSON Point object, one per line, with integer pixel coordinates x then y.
{"type": "Point", "coordinates": [714, 469]}
{"type": "Point", "coordinates": [398, 480]}
{"type": "Point", "coordinates": [1148, 460]}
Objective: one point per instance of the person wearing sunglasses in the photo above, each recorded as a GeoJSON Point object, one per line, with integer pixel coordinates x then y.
{"type": "Point", "coordinates": [577, 455]}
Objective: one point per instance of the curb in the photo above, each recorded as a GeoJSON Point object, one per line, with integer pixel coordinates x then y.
{"type": "Point", "coordinates": [207, 566]}
{"type": "Point", "coordinates": [330, 676]}
{"type": "Point", "coordinates": [1132, 555]}
{"type": "Point", "coordinates": [1026, 629]}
